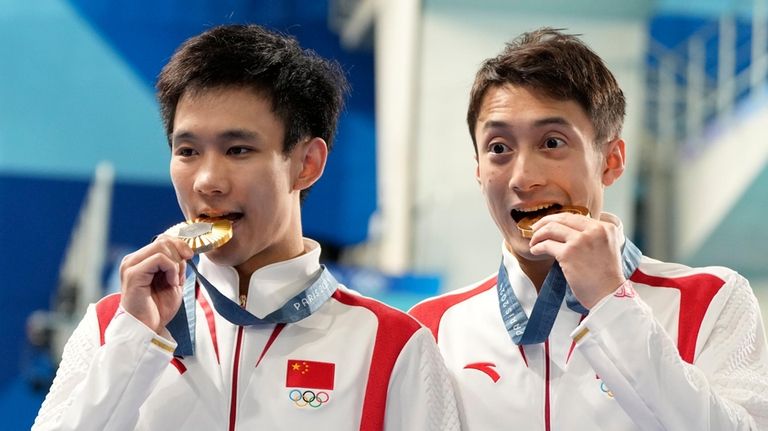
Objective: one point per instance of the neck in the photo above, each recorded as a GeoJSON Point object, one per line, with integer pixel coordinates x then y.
{"type": "Point", "coordinates": [275, 254]}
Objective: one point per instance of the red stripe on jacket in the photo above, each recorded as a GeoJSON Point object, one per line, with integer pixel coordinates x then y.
{"type": "Point", "coordinates": [431, 312]}
{"type": "Point", "coordinates": [209, 318]}
{"type": "Point", "coordinates": [105, 311]}
{"type": "Point", "coordinates": [696, 293]}
{"type": "Point", "coordinates": [394, 330]}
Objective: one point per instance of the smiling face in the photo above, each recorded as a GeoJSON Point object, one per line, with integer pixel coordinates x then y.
{"type": "Point", "coordinates": [534, 152]}
{"type": "Point", "coordinates": [228, 162]}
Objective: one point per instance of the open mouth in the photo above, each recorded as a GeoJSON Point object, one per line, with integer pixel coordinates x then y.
{"type": "Point", "coordinates": [526, 219]}
{"type": "Point", "coordinates": [535, 214]}
{"type": "Point", "coordinates": [233, 217]}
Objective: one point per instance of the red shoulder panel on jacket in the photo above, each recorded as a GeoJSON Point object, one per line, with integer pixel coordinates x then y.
{"type": "Point", "coordinates": [105, 311]}
{"type": "Point", "coordinates": [430, 312]}
{"type": "Point", "coordinates": [696, 293]}
{"type": "Point", "coordinates": [394, 330]}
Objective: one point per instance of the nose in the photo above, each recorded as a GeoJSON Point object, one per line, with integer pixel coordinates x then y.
{"type": "Point", "coordinates": [211, 176]}
{"type": "Point", "coordinates": [528, 173]}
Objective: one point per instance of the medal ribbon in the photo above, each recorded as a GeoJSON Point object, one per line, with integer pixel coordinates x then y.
{"type": "Point", "coordinates": [534, 330]}
{"type": "Point", "coordinates": [295, 309]}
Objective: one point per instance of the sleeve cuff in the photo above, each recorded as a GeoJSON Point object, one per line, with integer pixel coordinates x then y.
{"type": "Point", "coordinates": [126, 327]}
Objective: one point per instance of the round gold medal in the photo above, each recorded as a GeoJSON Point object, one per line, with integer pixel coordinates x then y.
{"type": "Point", "coordinates": [525, 225]}
{"type": "Point", "coordinates": [202, 235]}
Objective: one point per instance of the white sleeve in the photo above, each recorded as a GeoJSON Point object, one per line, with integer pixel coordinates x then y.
{"type": "Point", "coordinates": [102, 388]}
{"type": "Point", "coordinates": [725, 389]}
{"type": "Point", "coordinates": [420, 394]}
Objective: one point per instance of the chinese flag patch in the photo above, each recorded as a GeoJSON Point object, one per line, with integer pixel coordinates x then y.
{"type": "Point", "coordinates": [309, 374]}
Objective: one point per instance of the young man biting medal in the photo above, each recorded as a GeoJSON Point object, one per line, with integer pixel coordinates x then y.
{"type": "Point", "coordinates": [261, 336]}
{"type": "Point", "coordinates": [577, 330]}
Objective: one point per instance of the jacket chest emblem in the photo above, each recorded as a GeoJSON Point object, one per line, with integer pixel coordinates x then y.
{"type": "Point", "coordinates": [309, 383]}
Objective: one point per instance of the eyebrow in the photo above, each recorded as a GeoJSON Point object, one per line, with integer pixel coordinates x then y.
{"type": "Point", "coordinates": [237, 134]}
{"type": "Point", "coordinates": [186, 136]}
{"type": "Point", "coordinates": [560, 121]}
{"type": "Point", "coordinates": [496, 124]}
{"type": "Point", "coordinates": [226, 136]}
{"type": "Point", "coordinates": [541, 122]}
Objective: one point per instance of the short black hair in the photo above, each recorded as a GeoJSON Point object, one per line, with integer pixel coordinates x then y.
{"type": "Point", "coordinates": [306, 91]}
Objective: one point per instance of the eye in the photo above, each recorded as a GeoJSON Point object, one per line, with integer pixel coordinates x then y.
{"type": "Point", "coordinates": [553, 143]}
{"type": "Point", "coordinates": [185, 152]}
{"type": "Point", "coordinates": [238, 151]}
{"type": "Point", "coordinates": [497, 148]}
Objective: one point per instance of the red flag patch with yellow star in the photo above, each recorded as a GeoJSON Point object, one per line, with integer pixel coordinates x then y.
{"type": "Point", "coordinates": [309, 374]}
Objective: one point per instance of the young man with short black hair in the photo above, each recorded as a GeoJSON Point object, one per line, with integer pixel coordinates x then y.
{"type": "Point", "coordinates": [262, 337]}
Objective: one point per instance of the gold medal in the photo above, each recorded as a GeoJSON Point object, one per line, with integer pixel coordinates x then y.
{"type": "Point", "coordinates": [202, 235]}
{"type": "Point", "coordinates": [525, 224]}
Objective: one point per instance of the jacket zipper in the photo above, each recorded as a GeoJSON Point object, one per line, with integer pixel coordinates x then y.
{"type": "Point", "coordinates": [236, 370]}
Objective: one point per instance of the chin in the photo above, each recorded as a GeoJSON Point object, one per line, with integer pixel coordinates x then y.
{"type": "Point", "coordinates": [520, 248]}
{"type": "Point", "coordinates": [523, 252]}
{"type": "Point", "coordinates": [220, 256]}
{"type": "Point", "coordinates": [214, 257]}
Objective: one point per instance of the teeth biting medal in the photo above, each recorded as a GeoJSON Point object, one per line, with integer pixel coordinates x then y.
{"type": "Point", "coordinates": [202, 235]}
{"type": "Point", "coordinates": [526, 222]}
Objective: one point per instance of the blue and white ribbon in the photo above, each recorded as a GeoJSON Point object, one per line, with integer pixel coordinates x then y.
{"type": "Point", "coordinates": [301, 306]}
{"type": "Point", "coordinates": [534, 330]}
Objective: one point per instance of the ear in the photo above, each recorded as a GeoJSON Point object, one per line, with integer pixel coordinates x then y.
{"type": "Point", "coordinates": [309, 158]}
{"type": "Point", "coordinates": [613, 161]}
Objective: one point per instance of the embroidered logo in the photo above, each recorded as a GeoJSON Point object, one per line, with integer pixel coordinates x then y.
{"type": "Point", "coordinates": [603, 388]}
{"type": "Point", "coordinates": [486, 367]}
{"type": "Point", "coordinates": [308, 398]}
{"type": "Point", "coordinates": [308, 382]}
{"type": "Point", "coordinates": [625, 291]}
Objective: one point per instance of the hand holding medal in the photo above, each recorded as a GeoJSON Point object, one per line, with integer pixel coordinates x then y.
{"type": "Point", "coordinates": [152, 278]}
{"type": "Point", "coordinates": [202, 235]}
{"type": "Point", "coordinates": [526, 224]}
{"type": "Point", "coordinates": [588, 250]}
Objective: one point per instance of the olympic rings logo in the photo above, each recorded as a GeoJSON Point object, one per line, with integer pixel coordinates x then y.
{"type": "Point", "coordinates": [308, 398]}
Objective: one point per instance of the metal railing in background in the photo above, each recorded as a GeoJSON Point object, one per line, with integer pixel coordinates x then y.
{"type": "Point", "coordinates": [700, 80]}
{"type": "Point", "coordinates": [692, 85]}
{"type": "Point", "coordinates": [80, 278]}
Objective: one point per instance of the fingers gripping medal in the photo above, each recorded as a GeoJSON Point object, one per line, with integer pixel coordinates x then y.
{"type": "Point", "coordinates": [525, 225]}
{"type": "Point", "coordinates": [202, 235]}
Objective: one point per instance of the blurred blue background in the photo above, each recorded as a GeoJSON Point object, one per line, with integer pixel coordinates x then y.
{"type": "Point", "coordinates": [76, 88]}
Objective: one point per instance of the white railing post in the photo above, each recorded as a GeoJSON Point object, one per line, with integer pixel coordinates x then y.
{"type": "Point", "coordinates": [396, 42]}
{"type": "Point", "coordinates": [666, 98]}
{"type": "Point", "coordinates": [663, 155]}
{"type": "Point", "coordinates": [726, 64]}
{"type": "Point", "coordinates": [696, 76]}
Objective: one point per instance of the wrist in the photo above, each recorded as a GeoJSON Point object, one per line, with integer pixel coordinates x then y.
{"type": "Point", "coordinates": [624, 290]}
{"type": "Point", "coordinates": [140, 315]}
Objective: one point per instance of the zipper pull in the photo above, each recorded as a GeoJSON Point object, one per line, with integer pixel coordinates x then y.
{"type": "Point", "coordinates": [243, 300]}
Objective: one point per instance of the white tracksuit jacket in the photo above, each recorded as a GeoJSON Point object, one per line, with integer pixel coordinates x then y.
{"type": "Point", "coordinates": [675, 349]}
{"type": "Point", "coordinates": [375, 367]}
